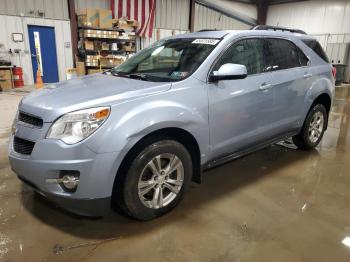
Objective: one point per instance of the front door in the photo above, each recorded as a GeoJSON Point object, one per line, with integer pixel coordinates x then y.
{"type": "Point", "coordinates": [240, 110]}
{"type": "Point", "coordinates": [43, 52]}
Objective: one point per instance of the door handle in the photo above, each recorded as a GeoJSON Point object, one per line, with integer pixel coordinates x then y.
{"type": "Point", "coordinates": [265, 87]}
{"type": "Point", "coordinates": [307, 75]}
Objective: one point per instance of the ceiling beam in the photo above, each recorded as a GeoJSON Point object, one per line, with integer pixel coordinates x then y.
{"type": "Point", "coordinates": [262, 12]}
{"type": "Point", "coordinates": [73, 28]}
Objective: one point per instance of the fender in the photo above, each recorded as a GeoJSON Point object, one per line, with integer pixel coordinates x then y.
{"type": "Point", "coordinates": [127, 127]}
{"type": "Point", "coordinates": [321, 86]}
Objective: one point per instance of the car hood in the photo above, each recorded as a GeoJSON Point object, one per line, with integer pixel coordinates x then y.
{"type": "Point", "coordinates": [84, 92]}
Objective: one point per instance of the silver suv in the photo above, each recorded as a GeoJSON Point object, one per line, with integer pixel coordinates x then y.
{"type": "Point", "coordinates": [135, 136]}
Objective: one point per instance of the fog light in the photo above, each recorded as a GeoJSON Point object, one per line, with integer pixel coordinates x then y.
{"type": "Point", "coordinates": [70, 182]}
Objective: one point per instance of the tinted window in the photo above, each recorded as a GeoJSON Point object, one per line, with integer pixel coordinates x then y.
{"type": "Point", "coordinates": [303, 60]}
{"type": "Point", "coordinates": [248, 52]}
{"type": "Point", "coordinates": [281, 54]}
{"type": "Point", "coordinates": [314, 45]}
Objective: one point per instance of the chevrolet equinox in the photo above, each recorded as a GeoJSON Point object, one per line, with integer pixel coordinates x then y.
{"type": "Point", "coordinates": [135, 136]}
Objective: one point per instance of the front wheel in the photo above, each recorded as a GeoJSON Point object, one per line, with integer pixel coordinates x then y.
{"type": "Point", "coordinates": [313, 129]}
{"type": "Point", "coordinates": [156, 180]}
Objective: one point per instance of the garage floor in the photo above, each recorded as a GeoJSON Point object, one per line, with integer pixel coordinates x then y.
{"type": "Point", "coordinates": [278, 204]}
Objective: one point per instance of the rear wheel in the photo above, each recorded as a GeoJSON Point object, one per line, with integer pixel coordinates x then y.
{"type": "Point", "coordinates": [313, 129]}
{"type": "Point", "coordinates": [155, 181]}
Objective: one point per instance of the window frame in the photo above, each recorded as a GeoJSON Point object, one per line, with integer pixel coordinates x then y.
{"type": "Point", "coordinates": [224, 51]}
{"type": "Point", "coordinates": [263, 38]}
{"type": "Point", "coordinates": [298, 50]}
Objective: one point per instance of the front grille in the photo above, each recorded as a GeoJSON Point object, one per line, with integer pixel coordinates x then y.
{"type": "Point", "coordinates": [23, 146]}
{"type": "Point", "coordinates": [30, 120]}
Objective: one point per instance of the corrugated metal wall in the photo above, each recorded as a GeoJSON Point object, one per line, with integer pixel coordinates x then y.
{"type": "Point", "coordinates": [206, 18]}
{"type": "Point", "coordinates": [314, 17]}
{"type": "Point", "coordinates": [16, 24]}
{"type": "Point", "coordinates": [172, 14]}
{"type": "Point", "coordinates": [162, 33]}
{"type": "Point", "coordinates": [54, 9]}
{"type": "Point", "coordinates": [104, 4]}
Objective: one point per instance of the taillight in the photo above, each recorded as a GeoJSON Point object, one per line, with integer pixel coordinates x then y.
{"type": "Point", "coordinates": [334, 71]}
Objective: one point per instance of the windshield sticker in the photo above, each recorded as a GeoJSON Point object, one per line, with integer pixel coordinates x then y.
{"type": "Point", "coordinates": [206, 41]}
{"type": "Point", "coordinates": [179, 74]}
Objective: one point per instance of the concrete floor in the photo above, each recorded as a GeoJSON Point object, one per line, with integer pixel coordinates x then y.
{"type": "Point", "coordinates": [278, 204]}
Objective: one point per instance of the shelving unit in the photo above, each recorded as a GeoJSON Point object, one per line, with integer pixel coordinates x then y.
{"type": "Point", "coordinates": [106, 47]}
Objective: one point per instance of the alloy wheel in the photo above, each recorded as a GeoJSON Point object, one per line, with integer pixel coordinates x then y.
{"type": "Point", "coordinates": [316, 127]}
{"type": "Point", "coordinates": [161, 181]}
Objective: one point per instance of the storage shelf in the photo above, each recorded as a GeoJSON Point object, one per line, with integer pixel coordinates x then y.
{"type": "Point", "coordinates": [109, 39]}
{"type": "Point", "coordinates": [113, 52]}
{"type": "Point", "coordinates": [101, 29]}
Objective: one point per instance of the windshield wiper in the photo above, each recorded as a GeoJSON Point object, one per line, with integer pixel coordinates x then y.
{"type": "Point", "coordinates": [138, 76]}
{"type": "Point", "coordinates": [132, 75]}
{"type": "Point", "coordinates": [115, 73]}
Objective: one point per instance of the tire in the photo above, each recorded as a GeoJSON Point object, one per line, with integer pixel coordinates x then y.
{"type": "Point", "coordinates": [143, 181]}
{"type": "Point", "coordinates": [312, 132]}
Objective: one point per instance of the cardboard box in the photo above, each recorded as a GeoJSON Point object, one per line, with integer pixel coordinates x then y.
{"type": "Point", "coordinates": [93, 71]}
{"type": "Point", "coordinates": [5, 74]}
{"type": "Point", "coordinates": [128, 25]}
{"type": "Point", "coordinates": [71, 73]}
{"type": "Point", "coordinates": [89, 45]}
{"type": "Point", "coordinates": [5, 84]}
{"type": "Point", "coordinates": [88, 17]}
{"type": "Point", "coordinates": [80, 68]}
{"type": "Point", "coordinates": [104, 46]}
{"type": "Point", "coordinates": [129, 47]}
{"type": "Point", "coordinates": [111, 61]}
{"type": "Point", "coordinates": [105, 18]}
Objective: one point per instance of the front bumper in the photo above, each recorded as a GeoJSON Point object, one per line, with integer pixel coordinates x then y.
{"type": "Point", "coordinates": [86, 207]}
{"type": "Point", "coordinates": [50, 157]}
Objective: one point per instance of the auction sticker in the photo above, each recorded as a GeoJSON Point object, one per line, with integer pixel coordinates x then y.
{"type": "Point", "coordinates": [206, 41]}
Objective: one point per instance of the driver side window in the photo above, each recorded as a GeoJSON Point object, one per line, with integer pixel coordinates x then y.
{"type": "Point", "coordinates": [248, 52]}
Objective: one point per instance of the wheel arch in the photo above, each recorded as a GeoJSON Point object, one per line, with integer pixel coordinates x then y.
{"type": "Point", "coordinates": [324, 99]}
{"type": "Point", "coordinates": [178, 134]}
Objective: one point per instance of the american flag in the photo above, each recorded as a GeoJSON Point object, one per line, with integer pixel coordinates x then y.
{"type": "Point", "coordinates": [141, 10]}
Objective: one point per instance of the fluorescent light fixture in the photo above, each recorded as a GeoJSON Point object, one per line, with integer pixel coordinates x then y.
{"type": "Point", "coordinates": [346, 241]}
{"type": "Point", "coordinates": [157, 51]}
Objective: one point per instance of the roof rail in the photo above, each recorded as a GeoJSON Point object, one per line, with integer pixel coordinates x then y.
{"type": "Point", "coordinates": [278, 28]}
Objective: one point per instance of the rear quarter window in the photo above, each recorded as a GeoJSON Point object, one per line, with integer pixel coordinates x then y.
{"type": "Point", "coordinates": [317, 48]}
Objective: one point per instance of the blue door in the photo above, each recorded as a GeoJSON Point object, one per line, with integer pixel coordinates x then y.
{"type": "Point", "coordinates": [43, 52]}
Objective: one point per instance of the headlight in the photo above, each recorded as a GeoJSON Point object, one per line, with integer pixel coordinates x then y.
{"type": "Point", "coordinates": [73, 127]}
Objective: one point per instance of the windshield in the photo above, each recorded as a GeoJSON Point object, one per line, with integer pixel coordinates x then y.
{"type": "Point", "coordinates": [167, 61]}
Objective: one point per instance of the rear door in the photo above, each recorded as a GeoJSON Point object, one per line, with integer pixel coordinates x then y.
{"type": "Point", "coordinates": [240, 111]}
{"type": "Point", "coordinates": [291, 77]}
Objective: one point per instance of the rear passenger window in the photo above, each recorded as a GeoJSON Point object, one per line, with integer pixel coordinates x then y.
{"type": "Point", "coordinates": [281, 54]}
{"type": "Point", "coordinates": [248, 52]}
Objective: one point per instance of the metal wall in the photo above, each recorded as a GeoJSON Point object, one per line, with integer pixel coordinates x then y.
{"type": "Point", "coordinates": [157, 35]}
{"type": "Point", "coordinates": [104, 4]}
{"type": "Point", "coordinates": [206, 18]}
{"type": "Point", "coordinates": [314, 17]}
{"type": "Point", "coordinates": [16, 24]}
{"type": "Point", "coordinates": [54, 9]}
{"type": "Point", "coordinates": [172, 14]}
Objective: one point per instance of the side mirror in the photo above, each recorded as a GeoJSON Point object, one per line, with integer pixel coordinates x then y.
{"type": "Point", "coordinates": [229, 72]}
